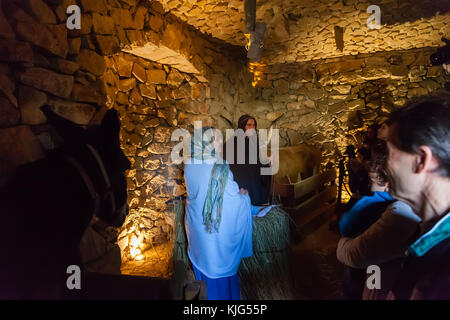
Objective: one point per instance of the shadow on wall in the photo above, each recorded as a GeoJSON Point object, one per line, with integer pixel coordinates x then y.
{"type": "Point", "coordinates": [376, 96]}
{"type": "Point", "coordinates": [394, 12]}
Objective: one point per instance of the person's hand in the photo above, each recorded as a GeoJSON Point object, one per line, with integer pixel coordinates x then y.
{"type": "Point", "coordinates": [243, 191]}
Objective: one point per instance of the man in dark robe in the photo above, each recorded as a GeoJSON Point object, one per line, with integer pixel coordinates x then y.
{"type": "Point", "coordinates": [248, 174]}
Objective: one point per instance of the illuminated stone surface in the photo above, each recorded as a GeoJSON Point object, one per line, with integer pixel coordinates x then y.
{"type": "Point", "coordinates": [164, 70]}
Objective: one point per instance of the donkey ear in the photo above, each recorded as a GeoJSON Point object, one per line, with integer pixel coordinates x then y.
{"type": "Point", "coordinates": [67, 129]}
{"type": "Point", "coordinates": [111, 123]}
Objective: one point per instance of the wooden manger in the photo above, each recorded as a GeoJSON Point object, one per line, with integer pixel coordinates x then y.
{"type": "Point", "coordinates": [309, 196]}
{"type": "Point", "coordinates": [310, 202]}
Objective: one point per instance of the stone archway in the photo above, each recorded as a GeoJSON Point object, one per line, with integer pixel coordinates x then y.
{"type": "Point", "coordinates": [130, 55]}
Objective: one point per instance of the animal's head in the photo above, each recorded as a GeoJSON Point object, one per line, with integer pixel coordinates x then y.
{"type": "Point", "coordinates": [104, 138]}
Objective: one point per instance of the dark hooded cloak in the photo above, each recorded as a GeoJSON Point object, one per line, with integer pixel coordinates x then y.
{"type": "Point", "coordinates": [248, 175]}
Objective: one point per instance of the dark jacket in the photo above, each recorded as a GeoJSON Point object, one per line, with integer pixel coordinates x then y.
{"type": "Point", "coordinates": [248, 176]}
{"type": "Point", "coordinates": [383, 244]}
{"type": "Point", "coordinates": [425, 275]}
{"type": "Point", "coordinates": [364, 213]}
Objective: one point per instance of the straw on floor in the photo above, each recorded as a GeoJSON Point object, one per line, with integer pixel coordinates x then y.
{"type": "Point", "coordinates": [266, 274]}
{"type": "Point", "coordinates": [263, 276]}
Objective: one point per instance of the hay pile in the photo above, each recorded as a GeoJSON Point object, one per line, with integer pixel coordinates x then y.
{"type": "Point", "coordinates": [266, 274]}
{"type": "Point", "coordinates": [263, 276]}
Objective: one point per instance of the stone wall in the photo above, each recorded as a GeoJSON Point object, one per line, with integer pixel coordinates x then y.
{"type": "Point", "coordinates": [161, 74]}
{"type": "Point", "coordinates": [327, 102]}
{"type": "Point", "coordinates": [153, 101]}
{"type": "Point", "coordinates": [82, 73]}
{"type": "Point", "coordinates": [303, 30]}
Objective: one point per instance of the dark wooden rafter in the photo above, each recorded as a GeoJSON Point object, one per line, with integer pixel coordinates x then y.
{"type": "Point", "coordinates": [250, 15]}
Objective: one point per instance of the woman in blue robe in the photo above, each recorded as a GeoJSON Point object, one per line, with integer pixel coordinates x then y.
{"type": "Point", "coordinates": [218, 220]}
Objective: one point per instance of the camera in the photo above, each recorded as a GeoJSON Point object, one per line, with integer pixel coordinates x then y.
{"type": "Point", "coordinates": [442, 56]}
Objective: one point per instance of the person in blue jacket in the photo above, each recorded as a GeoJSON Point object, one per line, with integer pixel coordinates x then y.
{"type": "Point", "coordinates": [369, 209]}
{"type": "Point", "coordinates": [363, 214]}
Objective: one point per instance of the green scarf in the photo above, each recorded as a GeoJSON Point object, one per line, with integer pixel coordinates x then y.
{"type": "Point", "coordinates": [212, 208]}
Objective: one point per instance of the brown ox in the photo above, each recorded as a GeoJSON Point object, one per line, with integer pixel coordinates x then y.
{"type": "Point", "coordinates": [296, 163]}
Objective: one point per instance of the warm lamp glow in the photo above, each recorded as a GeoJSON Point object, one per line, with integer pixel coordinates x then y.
{"type": "Point", "coordinates": [247, 45]}
{"type": "Point", "coordinates": [139, 257]}
{"type": "Point", "coordinates": [135, 242]}
{"type": "Point", "coordinates": [257, 69]}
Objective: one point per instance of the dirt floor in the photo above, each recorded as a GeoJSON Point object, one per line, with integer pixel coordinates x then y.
{"type": "Point", "coordinates": [315, 271]}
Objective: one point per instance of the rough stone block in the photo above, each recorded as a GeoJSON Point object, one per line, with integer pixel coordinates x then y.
{"type": "Point", "coordinates": [9, 114]}
{"type": "Point", "coordinates": [139, 18]}
{"type": "Point", "coordinates": [107, 45]}
{"type": "Point", "coordinates": [136, 37]}
{"type": "Point", "coordinates": [172, 37]}
{"type": "Point", "coordinates": [343, 89]}
{"type": "Point", "coordinates": [345, 66]}
{"type": "Point", "coordinates": [356, 105]}
{"type": "Point", "coordinates": [86, 25]}
{"type": "Point", "coordinates": [98, 6]}
{"type": "Point", "coordinates": [281, 86]}
{"type": "Point", "coordinates": [122, 98]}
{"type": "Point", "coordinates": [124, 67]}
{"type": "Point", "coordinates": [122, 17]}
{"type": "Point", "coordinates": [74, 45]}
{"type": "Point", "coordinates": [156, 23]}
{"type": "Point", "coordinates": [399, 71]}
{"type": "Point", "coordinates": [7, 87]}
{"type": "Point", "coordinates": [148, 91]}
{"type": "Point", "coordinates": [79, 113]}
{"type": "Point", "coordinates": [417, 92]}
{"type": "Point", "coordinates": [139, 73]}
{"type": "Point", "coordinates": [175, 78]}
{"type": "Point", "coordinates": [30, 102]}
{"type": "Point", "coordinates": [84, 93]}
{"type": "Point", "coordinates": [65, 66]}
{"type": "Point", "coordinates": [264, 84]}
{"type": "Point", "coordinates": [48, 81]}
{"type": "Point", "coordinates": [102, 24]}
{"type": "Point", "coordinates": [15, 51]}
{"type": "Point", "coordinates": [162, 134]}
{"type": "Point", "coordinates": [50, 37]}
{"type": "Point", "coordinates": [159, 148]}
{"type": "Point", "coordinates": [156, 76]}
{"type": "Point", "coordinates": [5, 29]}
{"type": "Point", "coordinates": [434, 71]}
{"type": "Point", "coordinates": [126, 85]}
{"type": "Point", "coordinates": [135, 97]}
{"type": "Point", "coordinates": [170, 115]}
{"type": "Point", "coordinates": [41, 11]}
{"type": "Point", "coordinates": [92, 62]}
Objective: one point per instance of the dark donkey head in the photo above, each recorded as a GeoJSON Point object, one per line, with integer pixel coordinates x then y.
{"type": "Point", "coordinates": [102, 140]}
